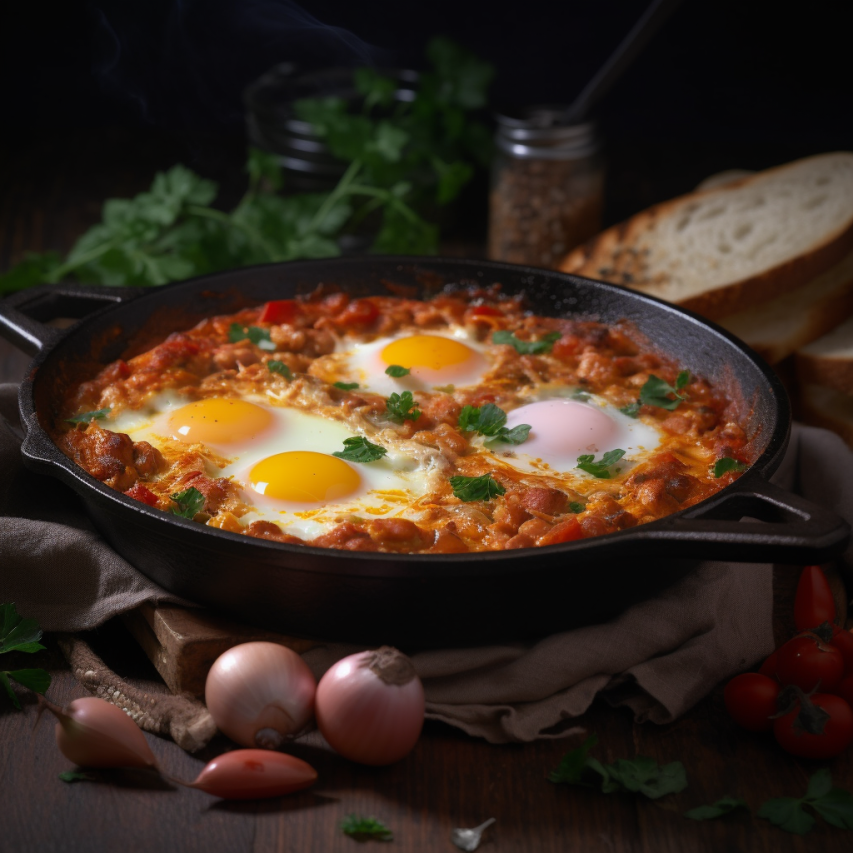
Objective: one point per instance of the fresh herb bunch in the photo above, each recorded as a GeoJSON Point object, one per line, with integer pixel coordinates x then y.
{"type": "Point", "coordinates": [399, 158]}
{"type": "Point", "coordinates": [18, 634]}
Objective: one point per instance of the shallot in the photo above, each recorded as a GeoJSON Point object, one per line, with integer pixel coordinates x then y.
{"type": "Point", "coordinates": [260, 693]}
{"type": "Point", "coordinates": [93, 733]}
{"type": "Point", "coordinates": [248, 774]}
{"type": "Point", "coordinates": [370, 706]}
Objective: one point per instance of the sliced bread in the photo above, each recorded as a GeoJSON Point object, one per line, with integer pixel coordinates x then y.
{"type": "Point", "coordinates": [733, 247]}
{"type": "Point", "coordinates": [783, 325]}
{"type": "Point", "coordinates": [828, 361]}
{"type": "Point", "coordinates": [826, 408]}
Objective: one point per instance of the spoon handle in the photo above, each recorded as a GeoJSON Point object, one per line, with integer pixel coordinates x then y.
{"type": "Point", "coordinates": [647, 25]}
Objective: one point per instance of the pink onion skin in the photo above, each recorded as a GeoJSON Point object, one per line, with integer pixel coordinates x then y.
{"type": "Point", "coordinates": [251, 774]}
{"type": "Point", "coordinates": [93, 733]}
{"type": "Point", "coordinates": [260, 693]}
{"type": "Point", "coordinates": [365, 719]}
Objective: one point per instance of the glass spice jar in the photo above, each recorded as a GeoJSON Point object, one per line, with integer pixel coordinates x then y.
{"type": "Point", "coordinates": [547, 187]}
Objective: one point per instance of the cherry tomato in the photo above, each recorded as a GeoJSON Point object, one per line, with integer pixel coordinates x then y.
{"type": "Point", "coordinates": [768, 668]}
{"type": "Point", "coordinates": [813, 601]}
{"type": "Point", "coordinates": [751, 700]}
{"type": "Point", "coordinates": [842, 639]}
{"type": "Point", "coordinates": [279, 311]}
{"type": "Point", "coordinates": [837, 731]}
{"type": "Point", "coordinates": [808, 662]}
{"type": "Point", "coordinates": [845, 689]}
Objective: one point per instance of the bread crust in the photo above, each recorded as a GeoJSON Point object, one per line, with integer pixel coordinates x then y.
{"type": "Point", "coordinates": [834, 373]}
{"type": "Point", "coordinates": [620, 255]}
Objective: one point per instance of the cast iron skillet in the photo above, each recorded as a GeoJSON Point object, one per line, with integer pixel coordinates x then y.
{"type": "Point", "coordinates": [418, 600]}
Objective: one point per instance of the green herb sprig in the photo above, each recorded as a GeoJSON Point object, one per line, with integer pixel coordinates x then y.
{"type": "Point", "coordinates": [188, 503]}
{"type": "Point", "coordinates": [19, 634]}
{"type": "Point", "coordinates": [544, 345]}
{"type": "Point", "coordinates": [397, 370]}
{"type": "Point", "coordinates": [279, 367]}
{"type": "Point", "coordinates": [657, 392]}
{"type": "Point", "coordinates": [365, 828]}
{"type": "Point", "coordinates": [402, 407]}
{"type": "Point", "coordinates": [88, 417]}
{"type": "Point", "coordinates": [726, 464]}
{"type": "Point", "coordinates": [482, 488]}
{"type": "Point", "coordinates": [601, 468]}
{"type": "Point", "coordinates": [359, 449]}
{"type": "Point", "coordinates": [346, 386]}
{"type": "Point", "coordinates": [834, 805]}
{"type": "Point", "coordinates": [489, 420]}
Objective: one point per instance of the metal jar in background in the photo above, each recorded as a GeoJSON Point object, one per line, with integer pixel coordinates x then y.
{"type": "Point", "coordinates": [547, 188]}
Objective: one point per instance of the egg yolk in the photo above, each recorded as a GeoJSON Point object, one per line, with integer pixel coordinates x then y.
{"type": "Point", "coordinates": [430, 351]}
{"type": "Point", "coordinates": [304, 476]}
{"type": "Point", "coordinates": [219, 421]}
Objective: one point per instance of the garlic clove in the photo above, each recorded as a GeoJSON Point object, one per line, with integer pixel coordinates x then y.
{"type": "Point", "coordinates": [248, 774]}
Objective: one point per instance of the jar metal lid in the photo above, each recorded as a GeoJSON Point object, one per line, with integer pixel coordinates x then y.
{"type": "Point", "coordinates": [542, 131]}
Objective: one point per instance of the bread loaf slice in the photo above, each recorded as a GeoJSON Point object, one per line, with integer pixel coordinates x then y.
{"type": "Point", "coordinates": [737, 246]}
{"type": "Point", "coordinates": [783, 325]}
{"type": "Point", "coordinates": [826, 408]}
{"type": "Point", "coordinates": [828, 361]}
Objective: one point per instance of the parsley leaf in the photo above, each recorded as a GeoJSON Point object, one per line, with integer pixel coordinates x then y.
{"type": "Point", "coordinates": [632, 409]}
{"type": "Point", "coordinates": [543, 345]}
{"type": "Point", "coordinates": [402, 407]}
{"type": "Point", "coordinates": [834, 805]}
{"type": "Point", "coordinates": [516, 435]}
{"type": "Point", "coordinates": [397, 371]}
{"type": "Point", "coordinates": [721, 807]}
{"type": "Point", "coordinates": [359, 449]}
{"type": "Point", "coordinates": [485, 420]}
{"type": "Point", "coordinates": [481, 488]}
{"type": "Point", "coordinates": [656, 391]}
{"type": "Point", "coordinates": [258, 336]}
{"type": "Point", "coordinates": [365, 828]}
{"type": "Point", "coordinates": [87, 417]}
{"type": "Point", "coordinates": [600, 469]}
{"type": "Point", "coordinates": [641, 775]}
{"type": "Point", "coordinates": [18, 634]}
{"type": "Point", "coordinates": [576, 507]}
{"type": "Point", "coordinates": [77, 776]}
{"type": "Point", "coordinates": [279, 367]}
{"type": "Point", "coordinates": [725, 464]}
{"type": "Point", "coordinates": [189, 502]}
{"type": "Point", "coordinates": [346, 386]}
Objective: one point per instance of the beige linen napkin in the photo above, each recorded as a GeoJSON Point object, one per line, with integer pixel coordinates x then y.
{"type": "Point", "coordinates": [658, 658]}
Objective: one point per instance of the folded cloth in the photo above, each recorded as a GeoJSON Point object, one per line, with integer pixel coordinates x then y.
{"type": "Point", "coordinates": [657, 658]}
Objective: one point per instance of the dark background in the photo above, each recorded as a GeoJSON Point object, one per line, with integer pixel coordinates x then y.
{"type": "Point", "coordinates": [141, 84]}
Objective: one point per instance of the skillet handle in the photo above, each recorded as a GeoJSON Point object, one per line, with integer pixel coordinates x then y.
{"type": "Point", "coordinates": [25, 316]}
{"type": "Point", "coordinates": [789, 529]}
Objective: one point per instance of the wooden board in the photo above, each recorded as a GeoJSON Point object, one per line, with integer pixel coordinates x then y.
{"type": "Point", "coordinates": [183, 643]}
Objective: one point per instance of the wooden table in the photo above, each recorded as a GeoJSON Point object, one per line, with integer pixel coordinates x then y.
{"type": "Point", "coordinates": [450, 779]}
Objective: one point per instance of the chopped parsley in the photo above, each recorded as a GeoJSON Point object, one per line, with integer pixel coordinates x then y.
{"type": "Point", "coordinates": [86, 417]}
{"type": "Point", "coordinates": [397, 371]}
{"type": "Point", "coordinates": [576, 507]}
{"type": "Point", "coordinates": [482, 488]}
{"type": "Point", "coordinates": [346, 386]}
{"type": "Point", "coordinates": [402, 407]}
{"type": "Point", "coordinates": [834, 805]}
{"type": "Point", "coordinates": [258, 336]}
{"type": "Point", "coordinates": [489, 420]}
{"type": "Point", "coordinates": [365, 828]}
{"type": "Point", "coordinates": [632, 409]}
{"type": "Point", "coordinates": [188, 502]}
{"type": "Point", "coordinates": [600, 469]}
{"type": "Point", "coordinates": [359, 449]}
{"type": "Point", "coordinates": [725, 464]}
{"type": "Point", "coordinates": [656, 392]}
{"type": "Point", "coordinates": [279, 367]}
{"type": "Point", "coordinates": [543, 345]}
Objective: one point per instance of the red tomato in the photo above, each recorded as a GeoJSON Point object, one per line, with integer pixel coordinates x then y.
{"type": "Point", "coordinates": [566, 347]}
{"type": "Point", "coordinates": [808, 662]}
{"type": "Point", "coordinates": [360, 312]}
{"type": "Point", "coordinates": [768, 668]}
{"type": "Point", "coordinates": [837, 731]}
{"type": "Point", "coordinates": [751, 700]}
{"type": "Point", "coordinates": [813, 602]}
{"type": "Point", "coordinates": [486, 311]}
{"type": "Point", "coordinates": [279, 311]}
{"type": "Point", "coordinates": [141, 493]}
{"type": "Point", "coordinates": [843, 641]}
{"type": "Point", "coordinates": [845, 689]}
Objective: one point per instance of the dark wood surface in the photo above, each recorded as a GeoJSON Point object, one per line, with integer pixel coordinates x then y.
{"type": "Point", "coordinates": [49, 193]}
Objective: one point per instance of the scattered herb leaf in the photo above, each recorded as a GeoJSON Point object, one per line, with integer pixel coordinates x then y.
{"type": "Point", "coordinates": [397, 371]}
{"type": "Point", "coordinates": [346, 386]}
{"type": "Point", "coordinates": [641, 775]}
{"type": "Point", "coordinates": [189, 502]}
{"type": "Point", "coordinates": [260, 337]}
{"type": "Point", "coordinates": [516, 435]}
{"type": "Point", "coordinates": [834, 805]}
{"type": "Point", "coordinates": [600, 469]}
{"type": "Point", "coordinates": [402, 407]}
{"type": "Point", "coordinates": [656, 391]}
{"type": "Point", "coordinates": [723, 806]}
{"type": "Point", "coordinates": [77, 776]}
{"type": "Point", "coordinates": [18, 634]}
{"type": "Point", "coordinates": [87, 417]}
{"type": "Point", "coordinates": [485, 420]}
{"type": "Point", "coordinates": [725, 464]}
{"type": "Point", "coordinates": [632, 410]}
{"type": "Point", "coordinates": [576, 507]}
{"type": "Point", "coordinates": [543, 345]}
{"type": "Point", "coordinates": [279, 367]}
{"type": "Point", "coordinates": [359, 449]}
{"type": "Point", "coordinates": [365, 828]}
{"type": "Point", "coordinates": [482, 488]}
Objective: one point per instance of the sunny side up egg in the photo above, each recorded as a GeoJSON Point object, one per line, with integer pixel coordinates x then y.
{"type": "Point", "coordinates": [282, 458]}
{"type": "Point", "coordinates": [435, 359]}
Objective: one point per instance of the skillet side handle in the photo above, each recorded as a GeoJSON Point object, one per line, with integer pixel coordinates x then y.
{"type": "Point", "coordinates": [26, 316]}
{"type": "Point", "coordinates": [789, 529]}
